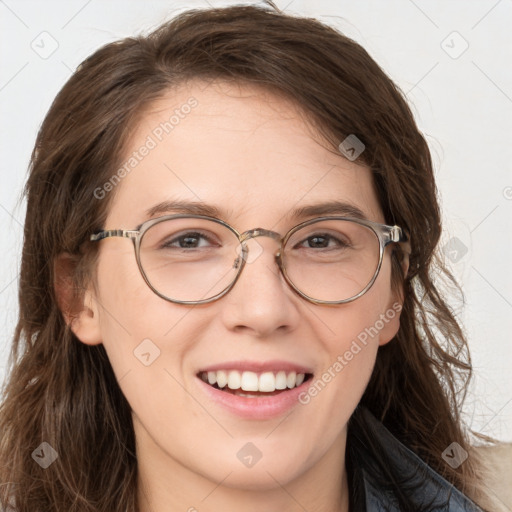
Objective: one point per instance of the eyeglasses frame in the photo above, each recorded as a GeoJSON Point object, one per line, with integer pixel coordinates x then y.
{"type": "Point", "coordinates": [386, 234]}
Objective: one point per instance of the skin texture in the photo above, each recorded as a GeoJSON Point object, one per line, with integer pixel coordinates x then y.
{"type": "Point", "coordinates": [252, 155]}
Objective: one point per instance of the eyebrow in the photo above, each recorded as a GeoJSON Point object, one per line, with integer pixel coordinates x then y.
{"type": "Point", "coordinates": [314, 210]}
{"type": "Point", "coordinates": [329, 208]}
{"type": "Point", "coordinates": [191, 207]}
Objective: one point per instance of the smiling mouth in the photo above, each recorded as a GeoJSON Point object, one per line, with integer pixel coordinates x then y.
{"type": "Point", "coordinates": [253, 384]}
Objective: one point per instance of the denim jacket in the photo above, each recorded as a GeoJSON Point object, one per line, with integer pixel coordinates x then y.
{"type": "Point", "coordinates": [373, 489]}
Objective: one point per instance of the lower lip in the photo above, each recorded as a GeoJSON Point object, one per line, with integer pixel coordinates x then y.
{"type": "Point", "coordinates": [259, 407]}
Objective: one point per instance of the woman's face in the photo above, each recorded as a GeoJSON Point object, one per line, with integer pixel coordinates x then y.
{"type": "Point", "coordinates": [251, 156]}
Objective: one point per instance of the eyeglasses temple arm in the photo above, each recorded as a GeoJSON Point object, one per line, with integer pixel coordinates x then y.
{"type": "Point", "coordinates": [398, 235]}
{"type": "Point", "coordinates": [113, 232]}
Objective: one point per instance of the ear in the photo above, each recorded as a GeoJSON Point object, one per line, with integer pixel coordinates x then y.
{"type": "Point", "coordinates": [78, 307]}
{"type": "Point", "coordinates": [391, 317]}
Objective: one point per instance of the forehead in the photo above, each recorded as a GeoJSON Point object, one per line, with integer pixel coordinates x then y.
{"type": "Point", "coordinates": [240, 149]}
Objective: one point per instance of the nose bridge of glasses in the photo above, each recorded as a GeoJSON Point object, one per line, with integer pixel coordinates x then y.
{"type": "Point", "coordinates": [255, 252]}
{"type": "Point", "coordinates": [253, 233]}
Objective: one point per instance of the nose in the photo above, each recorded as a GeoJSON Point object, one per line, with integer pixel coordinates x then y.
{"type": "Point", "coordinates": [261, 302]}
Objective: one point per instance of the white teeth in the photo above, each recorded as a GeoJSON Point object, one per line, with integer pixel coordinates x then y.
{"type": "Point", "coordinates": [291, 380]}
{"type": "Point", "coordinates": [222, 378]}
{"type": "Point", "coordinates": [281, 380]}
{"type": "Point", "coordinates": [265, 382]}
{"type": "Point", "coordinates": [234, 379]}
{"type": "Point", "coordinates": [249, 381]}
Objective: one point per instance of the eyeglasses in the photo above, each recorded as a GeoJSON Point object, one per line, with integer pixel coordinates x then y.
{"type": "Point", "coordinates": [195, 259]}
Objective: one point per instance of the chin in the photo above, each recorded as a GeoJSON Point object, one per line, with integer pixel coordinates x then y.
{"type": "Point", "coordinates": [265, 478]}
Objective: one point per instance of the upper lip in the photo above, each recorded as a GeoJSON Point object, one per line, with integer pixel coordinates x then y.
{"type": "Point", "coordinates": [258, 366]}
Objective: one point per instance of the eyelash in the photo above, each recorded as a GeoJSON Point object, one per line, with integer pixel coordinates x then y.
{"type": "Point", "coordinates": [195, 234]}
{"type": "Point", "coordinates": [329, 237]}
{"type": "Point", "coordinates": [167, 243]}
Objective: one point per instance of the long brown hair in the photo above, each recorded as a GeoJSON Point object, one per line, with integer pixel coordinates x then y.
{"type": "Point", "coordinates": [63, 392]}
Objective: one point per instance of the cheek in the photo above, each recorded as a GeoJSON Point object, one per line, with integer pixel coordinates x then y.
{"type": "Point", "coordinates": [352, 334]}
{"type": "Point", "coordinates": [353, 347]}
{"type": "Point", "coordinates": [148, 340]}
{"type": "Point", "coordinates": [349, 358]}
{"type": "Point", "coordinates": [361, 322]}
{"type": "Point", "coordinates": [137, 326]}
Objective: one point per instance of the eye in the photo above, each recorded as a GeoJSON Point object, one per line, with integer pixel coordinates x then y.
{"type": "Point", "coordinates": [190, 240]}
{"type": "Point", "coordinates": [325, 241]}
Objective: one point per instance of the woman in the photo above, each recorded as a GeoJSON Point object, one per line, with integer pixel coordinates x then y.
{"type": "Point", "coordinates": [271, 337]}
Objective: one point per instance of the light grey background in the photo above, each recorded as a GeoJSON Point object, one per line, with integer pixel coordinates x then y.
{"type": "Point", "coordinates": [451, 58]}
